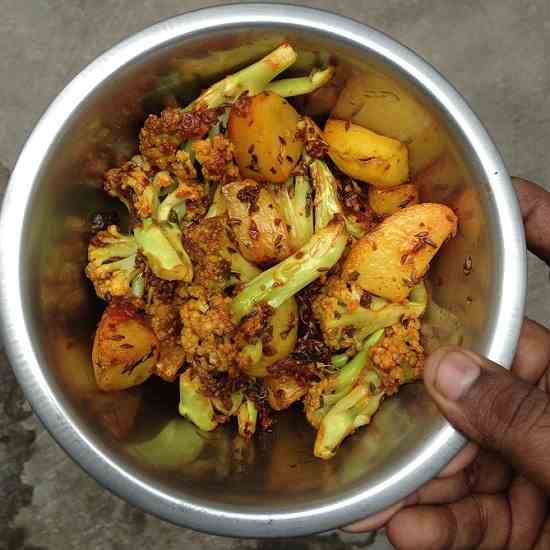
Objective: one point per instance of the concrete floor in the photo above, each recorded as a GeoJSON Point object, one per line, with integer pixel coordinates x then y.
{"type": "Point", "coordinates": [494, 51]}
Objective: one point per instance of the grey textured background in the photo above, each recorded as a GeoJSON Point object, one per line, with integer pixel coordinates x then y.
{"type": "Point", "coordinates": [494, 51]}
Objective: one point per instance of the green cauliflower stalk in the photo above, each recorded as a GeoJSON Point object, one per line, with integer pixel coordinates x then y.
{"type": "Point", "coordinates": [327, 203]}
{"type": "Point", "coordinates": [194, 405]}
{"type": "Point", "coordinates": [325, 394]}
{"type": "Point", "coordinates": [159, 236]}
{"type": "Point", "coordinates": [218, 206]}
{"type": "Point", "coordinates": [176, 444]}
{"type": "Point", "coordinates": [353, 411]}
{"type": "Point", "coordinates": [247, 418]}
{"type": "Point", "coordinates": [252, 79]}
{"type": "Point", "coordinates": [235, 402]}
{"type": "Point", "coordinates": [161, 245]}
{"type": "Point", "coordinates": [346, 318]}
{"type": "Point", "coordinates": [275, 285]}
{"type": "Point", "coordinates": [294, 199]}
{"type": "Point", "coordinates": [302, 85]}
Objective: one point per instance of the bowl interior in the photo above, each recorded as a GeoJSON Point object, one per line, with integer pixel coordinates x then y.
{"type": "Point", "coordinates": [277, 472]}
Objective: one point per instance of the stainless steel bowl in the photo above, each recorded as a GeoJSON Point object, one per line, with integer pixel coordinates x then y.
{"type": "Point", "coordinates": [49, 311]}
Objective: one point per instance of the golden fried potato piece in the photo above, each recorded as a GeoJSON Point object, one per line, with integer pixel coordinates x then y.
{"type": "Point", "coordinates": [366, 156]}
{"type": "Point", "coordinates": [257, 222]}
{"type": "Point", "coordinates": [391, 260]}
{"type": "Point", "coordinates": [377, 102]}
{"type": "Point", "coordinates": [388, 201]}
{"type": "Point", "coordinates": [263, 130]}
{"type": "Point", "coordinates": [125, 348]}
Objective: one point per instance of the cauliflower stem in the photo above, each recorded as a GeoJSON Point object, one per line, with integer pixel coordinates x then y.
{"type": "Point", "coordinates": [302, 85]}
{"type": "Point", "coordinates": [251, 80]}
{"type": "Point", "coordinates": [285, 279]}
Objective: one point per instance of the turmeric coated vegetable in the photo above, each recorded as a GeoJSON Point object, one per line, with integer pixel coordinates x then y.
{"type": "Point", "coordinates": [262, 129]}
{"type": "Point", "coordinates": [256, 222]}
{"type": "Point", "coordinates": [294, 199]}
{"type": "Point", "coordinates": [282, 331]}
{"type": "Point", "coordinates": [301, 85]}
{"type": "Point", "coordinates": [325, 394]}
{"type": "Point", "coordinates": [283, 391]}
{"type": "Point", "coordinates": [388, 201]}
{"type": "Point", "coordinates": [366, 156]}
{"type": "Point", "coordinates": [279, 283]}
{"type": "Point", "coordinates": [125, 349]}
{"type": "Point", "coordinates": [347, 315]}
{"type": "Point", "coordinates": [392, 259]}
{"type": "Point", "coordinates": [247, 417]}
{"type": "Point", "coordinates": [193, 404]}
{"type": "Point", "coordinates": [250, 80]}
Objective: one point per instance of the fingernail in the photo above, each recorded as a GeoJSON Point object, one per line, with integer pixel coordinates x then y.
{"type": "Point", "coordinates": [456, 373]}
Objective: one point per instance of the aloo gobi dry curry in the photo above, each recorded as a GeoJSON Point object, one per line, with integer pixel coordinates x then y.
{"type": "Point", "coordinates": [269, 262]}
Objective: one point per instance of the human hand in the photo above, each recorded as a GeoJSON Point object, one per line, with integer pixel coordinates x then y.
{"type": "Point", "coordinates": [499, 499]}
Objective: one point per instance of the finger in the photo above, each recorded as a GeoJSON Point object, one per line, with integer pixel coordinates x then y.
{"type": "Point", "coordinates": [494, 408]}
{"type": "Point", "coordinates": [543, 542]}
{"type": "Point", "coordinates": [534, 203]}
{"type": "Point", "coordinates": [528, 509]}
{"type": "Point", "coordinates": [532, 358]}
{"type": "Point", "coordinates": [487, 474]}
{"type": "Point", "coordinates": [478, 521]}
{"type": "Point", "coordinates": [375, 522]}
{"type": "Point", "coordinates": [463, 459]}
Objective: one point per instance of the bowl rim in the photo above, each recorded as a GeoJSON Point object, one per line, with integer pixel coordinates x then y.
{"type": "Point", "coordinates": [24, 357]}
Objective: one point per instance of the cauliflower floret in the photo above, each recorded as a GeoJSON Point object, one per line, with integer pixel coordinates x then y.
{"type": "Point", "coordinates": [182, 167]}
{"type": "Point", "coordinates": [114, 268]}
{"type": "Point", "coordinates": [216, 260]}
{"type": "Point", "coordinates": [129, 184]}
{"type": "Point", "coordinates": [161, 136]}
{"type": "Point", "coordinates": [162, 308]}
{"type": "Point", "coordinates": [347, 314]}
{"type": "Point", "coordinates": [208, 330]}
{"type": "Point", "coordinates": [399, 356]}
{"type": "Point", "coordinates": [216, 158]}
{"type": "Point", "coordinates": [205, 243]}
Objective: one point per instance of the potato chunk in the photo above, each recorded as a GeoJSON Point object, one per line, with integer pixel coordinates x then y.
{"type": "Point", "coordinates": [257, 222]}
{"type": "Point", "coordinates": [377, 102]}
{"type": "Point", "coordinates": [388, 201]}
{"type": "Point", "coordinates": [366, 156]}
{"type": "Point", "coordinates": [262, 129]}
{"type": "Point", "coordinates": [125, 348]}
{"type": "Point", "coordinates": [390, 260]}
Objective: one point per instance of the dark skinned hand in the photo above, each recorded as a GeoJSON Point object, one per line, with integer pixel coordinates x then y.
{"type": "Point", "coordinates": [494, 495]}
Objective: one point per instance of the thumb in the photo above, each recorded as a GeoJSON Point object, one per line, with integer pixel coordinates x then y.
{"type": "Point", "coordinates": [494, 408]}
